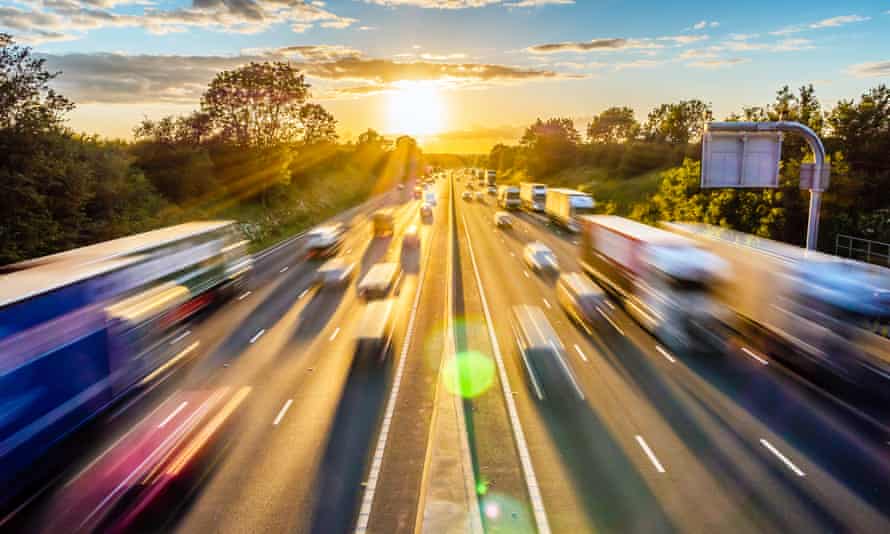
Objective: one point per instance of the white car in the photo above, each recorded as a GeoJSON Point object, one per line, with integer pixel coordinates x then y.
{"type": "Point", "coordinates": [479, 196]}
{"type": "Point", "coordinates": [492, 190]}
{"type": "Point", "coordinates": [466, 195]}
{"type": "Point", "coordinates": [502, 219]}
{"type": "Point", "coordinates": [540, 258]}
{"type": "Point", "coordinates": [334, 273]}
{"type": "Point", "coordinates": [378, 280]}
{"type": "Point", "coordinates": [429, 197]}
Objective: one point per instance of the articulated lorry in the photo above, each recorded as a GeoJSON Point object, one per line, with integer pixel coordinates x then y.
{"type": "Point", "coordinates": [533, 196]}
{"type": "Point", "coordinates": [820, 314]}
{"type": "Point", "coordinates": [565, 206]}
{"type": "Point", "coordinates": [665, 281]}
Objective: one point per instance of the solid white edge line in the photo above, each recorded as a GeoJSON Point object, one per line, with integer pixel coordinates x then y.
{"type": "Point", "coordinates": [665, 353]}
{"type": "Point", "coordinates": [364, 515]}
{"type": "Point", "coordinates": [257, 336]}
{"type": "Point", "coordinates": [178, 409]}
{"type": "Point", "coordinates": [245, 295]}
{"type": "Point", "coordinates": [282, 412]}
{"type": "Point", "coordinates": [650, 454]}
{"type": "Point", "coordinates": [334, 335]}
{"type": "Point", "coordinates": [782, 457]}
{"type": "Point", "coordinates": [751, 353]}
{"type": "Point", "coordinates": [531, 481]}
{"type": "Point", "coordinates": [580, 352]}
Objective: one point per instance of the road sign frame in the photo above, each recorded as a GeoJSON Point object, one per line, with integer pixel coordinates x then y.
{"type": "Point", "coordinates": [747, 160]}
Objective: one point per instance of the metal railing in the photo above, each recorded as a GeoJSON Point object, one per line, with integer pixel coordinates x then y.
{"type": "Point", "coordinates": [858, 248]}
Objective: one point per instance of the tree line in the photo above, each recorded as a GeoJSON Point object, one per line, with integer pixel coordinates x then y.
{"type": "Point", "coordinates": [257, 149]}
{"type": "Point", "coordinates": [856, 134]}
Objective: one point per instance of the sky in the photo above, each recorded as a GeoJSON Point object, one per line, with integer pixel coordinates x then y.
{"type": "Point", "coordinates": [460, 75]}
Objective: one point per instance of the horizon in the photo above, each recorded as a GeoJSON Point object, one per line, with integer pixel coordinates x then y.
{"type": "Point", "coordinates": [458, 75]}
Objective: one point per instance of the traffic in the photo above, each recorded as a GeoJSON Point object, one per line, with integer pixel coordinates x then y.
{"type": "Point", "coordinates": [165, 380]}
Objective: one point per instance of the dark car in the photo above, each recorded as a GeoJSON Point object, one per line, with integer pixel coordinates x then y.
{"type": "Point", "coordinates": [543, 356]}
{"type": "Point", "coordinates": [580, 298]}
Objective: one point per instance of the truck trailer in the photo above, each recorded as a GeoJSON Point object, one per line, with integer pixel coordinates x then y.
{"type": "Point", "coordinates": [821, 315]}
{"type": "Point", "coordinates": [665, 281]}
{"type": "Point", "coordinates": [533, 196]}
{"type": "Point", "coordinates": [565, 206]}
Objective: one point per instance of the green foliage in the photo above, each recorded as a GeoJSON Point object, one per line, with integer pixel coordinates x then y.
{"type": "Point", "coordinates": [27, 103]}
{"type": "Point", "coordinates": [614, 125]}
{"type": "Point", "coordinates": [679, 123]}
{"type": "Point", "coordinates": [550, 146]}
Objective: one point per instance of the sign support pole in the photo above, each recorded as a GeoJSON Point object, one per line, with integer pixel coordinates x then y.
{"type": "Point", "coordinates": [817, 185]}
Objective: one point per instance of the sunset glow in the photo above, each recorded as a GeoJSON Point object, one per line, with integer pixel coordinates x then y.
{"type": "Point", "coordinates": [416, 108]}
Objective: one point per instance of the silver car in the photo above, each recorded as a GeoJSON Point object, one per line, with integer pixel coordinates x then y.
{"type": "Point", "coordinates": [540, 258]}
{"type": "Point", "coordinates": [335, 273]}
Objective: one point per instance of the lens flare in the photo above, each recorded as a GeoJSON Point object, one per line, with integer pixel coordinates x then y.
{"type": "Point", "coordinates": [468, 374]}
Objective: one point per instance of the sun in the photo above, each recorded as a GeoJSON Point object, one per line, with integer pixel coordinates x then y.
{"type": "Point", "coordinates": [416, 109]}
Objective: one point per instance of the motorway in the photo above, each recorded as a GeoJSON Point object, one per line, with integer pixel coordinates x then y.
{"type": "Point", "coordinates": [654, 442]}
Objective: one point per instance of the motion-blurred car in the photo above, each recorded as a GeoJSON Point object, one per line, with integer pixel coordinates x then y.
{"type": "Point", "coordinates": [411, 239]}
{"type": "Point", "coordinates": [429, 198]}
{"type": "Point", "coordinates": [492, 190]}
{"type": "Point", "coordinates": [335, 272]}
{"type": "Point", "coordinates": [384, 223]}
{"type": "Point", "coordinates": [466, 195]}
{"type": "Point", "coordinates": [580, 298]}
{"type": "Point", "coordinates": [426, 212]}
{"type": "Point", "coordinates": [378, 280]}
{"type": "Point", "coordinates": [543, 355]}
{"type": "Point", "coordinates": [502, 219]}
{"type": "Point", "coordinates": [540, 258]}
{"type": "Point", "coordinates": [401, 186]}
{"type": "Point", "coordinates": [373, 337]}
{"type": "Point", "coordinates": [479, 196]}
{"type": "Point", "coordinates": [324, 241]}
{"type": "Point", "coordinates": [418, 192]}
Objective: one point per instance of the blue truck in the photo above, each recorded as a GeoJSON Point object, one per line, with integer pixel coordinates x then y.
{"type": "Point", "coordinates": [82, 328]}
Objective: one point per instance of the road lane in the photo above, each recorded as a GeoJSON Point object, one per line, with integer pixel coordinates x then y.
{"type": "Point", "coordinates": [709, 415]}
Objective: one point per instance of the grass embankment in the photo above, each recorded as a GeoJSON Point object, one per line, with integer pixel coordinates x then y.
{"type": "Point", "coordinates": [605, 187]}
{"type": "Point", "coordinates": [327, 195]}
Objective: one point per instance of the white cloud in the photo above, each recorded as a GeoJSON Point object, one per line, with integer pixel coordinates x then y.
{"type": "Point", "coordinates": [743, 36]}
{"type": "Point", "coordinates": [834, 22]}
{"type": "Point", "coordinates": [684, 39]}
{"type": "Point", "coordinates": [71, 19]}
{"type": "Point", "coordinates": [698, 53]}
{"type": "Point", "coordinates": [718, 63]}
{"type": "Point", "coordinates": [702, 24]}
{"type": "Point", "coordinates": [638, 64]}
{"type": "Point", "coordinates": [872, 69]}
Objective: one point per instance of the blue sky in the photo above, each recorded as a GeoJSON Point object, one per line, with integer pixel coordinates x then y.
{"type": "Point", "coordinates": [486, 66]}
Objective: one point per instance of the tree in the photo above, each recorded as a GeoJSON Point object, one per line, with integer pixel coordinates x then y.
{"type": "Point", "coordinates": [678, 124]}
{"type": "Point", "coordinates": [258, 104]}
{"type": "Point", "coordinates": [27, 103]}
{"type": "Point", "coordinates": [501, 157]}
{"type": "Point", "coordinates": [550, 146]}
{"type": "Point", "coordinates": [319, 125]}
{"type": "Point", "coordinates": [614, 125]}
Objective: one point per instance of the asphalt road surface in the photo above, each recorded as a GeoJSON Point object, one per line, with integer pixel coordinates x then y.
{"type": "Point", "coordinates": [647, 440]}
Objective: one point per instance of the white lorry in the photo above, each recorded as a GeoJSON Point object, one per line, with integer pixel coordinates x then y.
{"type": "Point", "coordinates": [564, 206]}
{"type": "Point", "coordinates": [533, 196]}
{"type": "Point", "coordinates": [819, 314]}
{"type": "Point", "coordinates": [665, 281]}
{"type": "Point", "coordinates": [508, 197]}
